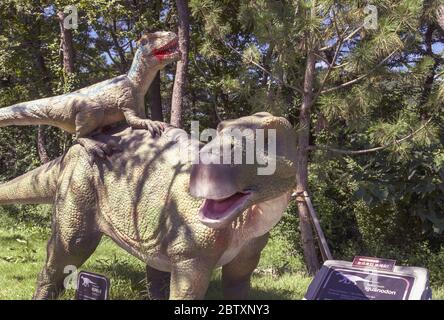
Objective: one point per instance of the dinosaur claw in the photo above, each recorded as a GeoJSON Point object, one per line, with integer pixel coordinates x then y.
{"type": "Point", "coordinates": [161, 127]}
{"type": "Point", "coordinates": [114, 147]}
{"type": "Point", "coordinates": [156, 128]}
{"type": "Point", "coordinates": [150, 128]}
{"type": "Point", "coordinates": [98, 151]}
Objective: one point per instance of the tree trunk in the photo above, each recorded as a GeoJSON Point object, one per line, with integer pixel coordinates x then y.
{"type": "Point", "coordinates": [155, 99]}
{"type": "Point", "coordinates": [41, 142]}
{"type": "Point", "coordinates": [123, 65]}
{"type": "Point", "coordinates": [428, 83]}
{"type": "Point", "coordinates": [311, 258]}
{"type": "Point", "coordinates": [66, 46]}
{"type": "Point", "coordinates": [45, 84]}
{"type": "Point", "coordinates": [153, 96]}
{"type": "Point", "coordinates": [67, 55]}
{"type": "Point", "coordinates": [181, 69]}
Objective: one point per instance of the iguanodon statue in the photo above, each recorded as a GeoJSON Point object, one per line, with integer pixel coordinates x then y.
{"type": "Point", "coordinates": [179, 218]}
{"type": "Point", "coordinates": [121, 98]}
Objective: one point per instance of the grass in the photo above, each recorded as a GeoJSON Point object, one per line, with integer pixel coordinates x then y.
{"type": "Point", "coordinates": [22, 256]}
{"type": "Point", "coordinates": [23, 235]}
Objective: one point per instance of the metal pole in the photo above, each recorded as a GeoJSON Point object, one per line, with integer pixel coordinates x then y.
{"type": "Point", "coordinates": [325, 250]}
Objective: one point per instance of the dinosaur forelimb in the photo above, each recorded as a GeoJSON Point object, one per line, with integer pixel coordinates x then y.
{"type": "Point", "coordinates": [154, 127]}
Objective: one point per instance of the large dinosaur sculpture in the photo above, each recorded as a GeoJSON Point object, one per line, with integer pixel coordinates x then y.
{"type": "Point", "coordinates": [181, 218]}
{"type": "Point", "coordinates": [107, 102]}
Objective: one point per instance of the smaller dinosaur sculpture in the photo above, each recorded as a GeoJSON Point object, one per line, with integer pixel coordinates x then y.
{"type": "Point", "coordinates": [121, 98]}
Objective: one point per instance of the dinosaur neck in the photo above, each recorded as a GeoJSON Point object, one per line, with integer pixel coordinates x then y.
{"type": "Point", "coordinates": [142, 72]}
{"type": "Point", "coordinates": [262, 217]}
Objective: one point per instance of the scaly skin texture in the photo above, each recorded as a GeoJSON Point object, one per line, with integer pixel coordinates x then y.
{"type": "Point", "coordinates": [121, 98]}
{"type": "Point", "coordinates": [141, 199]}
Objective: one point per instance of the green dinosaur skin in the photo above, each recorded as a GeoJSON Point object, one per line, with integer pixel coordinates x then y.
{"type": "Point", "coordinates": [141, 199]}
{"type": "Point", "coordinates": [91, 108]}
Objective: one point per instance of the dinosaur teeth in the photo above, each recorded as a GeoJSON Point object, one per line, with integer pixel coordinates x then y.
{"type": "Point", "coordinates": [169, 48]}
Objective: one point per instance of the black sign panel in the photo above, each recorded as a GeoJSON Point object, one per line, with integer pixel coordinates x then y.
{"type": "Point", "coordinates": [92, 286]}
{"type": "Point", "coordinates": [343, 283]}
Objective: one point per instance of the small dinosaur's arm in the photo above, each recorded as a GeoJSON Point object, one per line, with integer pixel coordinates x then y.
{"type": "Point", "coordinates": [88, 123]}
{"type": "Point", "coordinates": [136, 122]}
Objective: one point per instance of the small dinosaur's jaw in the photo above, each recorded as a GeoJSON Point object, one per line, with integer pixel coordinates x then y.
{"type": "Point", "coordinates": [168, 52]}
{"type": "Point", "coordinates": [219, 213]}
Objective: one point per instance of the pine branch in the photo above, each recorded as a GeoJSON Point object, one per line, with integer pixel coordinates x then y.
{"type": "Point", "coordinates": [262, 68]}
{"type": "Point", "coordinates": [348, 83]}
{"type": "Point", "coordinates": [322, 58]}
{"type": "Point", "coordinates": [332, 63]}
{"type": "Point", "coordinates": [341, 65]}
{"type": "Point", "coordinates": [342, 37]}
{"type": "Point", "coordinates": [108, 52]}
{"type": "Point", "coordinates": [365, 151]}
{"type": "Point", "coordinates": [353, 33]}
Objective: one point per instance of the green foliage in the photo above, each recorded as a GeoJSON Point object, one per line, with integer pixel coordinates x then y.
{"type": "Point", "coordinates": [25, 229]}
{"type": "Point", "coordinates": [376, 216]}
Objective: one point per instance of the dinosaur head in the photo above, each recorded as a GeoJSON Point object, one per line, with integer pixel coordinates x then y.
{"type": "Point", "coordinates": [266, 146]}
{"type": "Point", "coordinates": [162, 47]}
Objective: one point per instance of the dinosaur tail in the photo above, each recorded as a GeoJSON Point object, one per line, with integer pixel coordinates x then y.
{"type": "Point", "coordinates": [24, 114]}
{"type": "Point", "coordinates": [36, 186]}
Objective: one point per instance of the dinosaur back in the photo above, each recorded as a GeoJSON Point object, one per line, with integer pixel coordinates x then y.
{"type": "Point", "coordinates": [143, 190]}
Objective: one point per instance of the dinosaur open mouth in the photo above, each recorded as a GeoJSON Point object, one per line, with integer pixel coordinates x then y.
{"type": "Point", "coordinates": [171, 49]}
{"type": "Point", "coordinates": [218, 213]}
